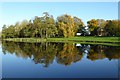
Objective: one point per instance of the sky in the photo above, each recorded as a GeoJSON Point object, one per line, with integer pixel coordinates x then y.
{"type": "Point", "coordinates": [59, 0]}
{"type": "Point", "coordinates": [13, 12]}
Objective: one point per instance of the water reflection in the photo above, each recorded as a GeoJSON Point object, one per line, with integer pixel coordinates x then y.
{"type": "Point", "coordinates": [62, 53]}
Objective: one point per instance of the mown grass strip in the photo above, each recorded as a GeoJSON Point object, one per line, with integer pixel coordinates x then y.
{"type": "Point", "coordinates": [88, 39]}
{"type": "Point", "coordinates": [75, 39]}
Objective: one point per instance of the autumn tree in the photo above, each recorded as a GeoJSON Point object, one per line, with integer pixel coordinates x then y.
{"type": "Point", "coordinates": [112, 28]}
{"type": "Point", "coordinates": [69, 25]}
{"type": "Point", "coordinates": [69, 54]}
{"type": "Point", "coordinates": [93, 25]}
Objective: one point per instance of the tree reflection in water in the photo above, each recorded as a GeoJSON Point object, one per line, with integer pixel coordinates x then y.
{"type": "Point", "coordinates": [64, 53]}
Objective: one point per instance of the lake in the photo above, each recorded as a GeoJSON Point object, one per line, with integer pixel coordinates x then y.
{"type": "Point", "coordinates": [59, 60]}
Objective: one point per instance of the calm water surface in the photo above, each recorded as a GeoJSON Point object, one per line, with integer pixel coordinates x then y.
{"type": "Point", "coordinates": [59, 60]}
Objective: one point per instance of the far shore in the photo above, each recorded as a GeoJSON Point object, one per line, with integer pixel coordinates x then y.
{"type": "Point", "coordinates": [82, 39]}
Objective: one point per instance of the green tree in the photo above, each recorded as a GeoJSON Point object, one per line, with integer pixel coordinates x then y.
{"type": "Point", "coordinates": [49, 29]}
{"type": "Point", "coordinates": [101, 27]}
{"type": "Point", "coordinates": [22, 26]}
{"type": "Point", "coordinates": [78, 24]}
{"type": "Point", "coordinates": [4, 28]}
{"type": "Point", "coordinates": [10, 31]}
{"type": "Point", "coordinates": [44, 26]}
{"type": "Point", "coordinates": [38, 27]}
{"type": "Point", "coordinates": [19, 26]}
{"type": "Point", "coordinates": [101, 23]}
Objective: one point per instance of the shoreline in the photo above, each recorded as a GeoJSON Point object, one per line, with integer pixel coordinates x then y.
{"type": "Point", "coordinates": [83, 40]}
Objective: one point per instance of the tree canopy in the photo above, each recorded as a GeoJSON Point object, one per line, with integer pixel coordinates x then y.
{"type": "Point", "coordinates": [64, 26]}
{"type": "Point", "coordinates": [69, 25]}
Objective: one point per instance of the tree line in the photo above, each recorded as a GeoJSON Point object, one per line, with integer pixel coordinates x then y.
{"type": "Point", "coordinates": [65, 26]}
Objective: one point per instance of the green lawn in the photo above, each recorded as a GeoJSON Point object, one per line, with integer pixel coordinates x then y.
{"type": "Point", "coordinates": [88, 39]}
{"type": "Point", "coordinates": [25, 40]}
{"type": "Point", "coordinates": [81, 39]}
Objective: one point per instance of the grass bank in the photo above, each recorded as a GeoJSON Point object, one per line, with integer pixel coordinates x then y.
{"type": "Point", "coordinates": [31, 40]}
{"type": "Point", "coordinates": [88, 39]}
{"type": "Point", "coordinates": [82, 39]}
